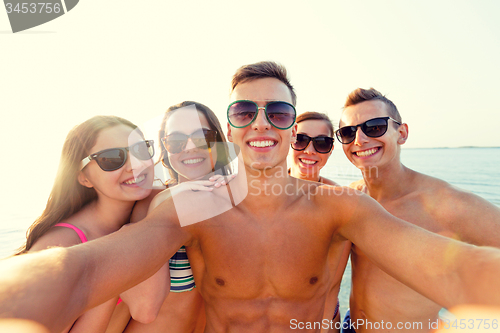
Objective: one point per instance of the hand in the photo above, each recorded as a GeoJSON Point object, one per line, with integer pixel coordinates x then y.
{"type": "Point", "coordinates": [215, 181]}
{"type": "Point", "coordinates": [359, 185]}
{"type": "Point", "coordinates": [362, 188]}
{"type": "Point", "coordinates": [221, 180]}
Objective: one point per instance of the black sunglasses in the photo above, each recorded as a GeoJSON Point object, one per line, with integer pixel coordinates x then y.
{"type": "Point", "coordinates": [114, 158]}
{"type": "Point", "coordinates": [176, 142]}
{"type": "Point", "coordinates": [322, 144]}
{"type": "Point", "coordinates": [373, 128]}
{"type": "Point", "coordinates": [279, 114]}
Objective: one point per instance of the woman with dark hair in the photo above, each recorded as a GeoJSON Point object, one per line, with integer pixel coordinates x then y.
{"type": "Point", "coordinates": [106, 166]}
{"type": "Point", "coordinates": [221, 164]}
{"type": "Point", "coordinates": [193, 147]}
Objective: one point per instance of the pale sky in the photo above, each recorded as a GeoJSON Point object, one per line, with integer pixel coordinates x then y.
{"type": "Point", "coordinates": [437, 61]}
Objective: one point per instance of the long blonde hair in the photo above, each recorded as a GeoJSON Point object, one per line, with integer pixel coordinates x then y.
{"type": "Point", "coordinates": [68, 196]}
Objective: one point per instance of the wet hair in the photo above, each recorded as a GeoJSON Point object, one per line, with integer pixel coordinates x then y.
{"type": "Point", "coordinates": [311, 115]}
{"type": "Point", "coordinates": [260, 70]}
{"type": "Point", "coordinates": [222, 162]}
{"type": "Point", "coordinates": [362, 95]}
{"type": "Point", "coordinates": [68, 196]}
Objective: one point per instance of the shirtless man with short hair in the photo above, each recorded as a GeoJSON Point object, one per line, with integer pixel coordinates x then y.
{"type": "Point", "coordinates": [261, 266]}
{"type": "Point", "coordinates": [425, 201]}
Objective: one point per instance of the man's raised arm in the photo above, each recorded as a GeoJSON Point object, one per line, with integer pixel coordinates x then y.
{"type": "Point", "coordinates": [446, 271]}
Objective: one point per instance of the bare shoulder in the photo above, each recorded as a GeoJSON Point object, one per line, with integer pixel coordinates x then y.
{"type": "Point", "coordinates": [450, 197]}
{"type": "Point", "coordinates": [308, 189]}
{"type": "Point", "coordinates": [458, 210]}
{"type": "Point", "coordinates": [349, 211]}
{"type": "Point", "coordinates": [141, 207]}
{"type": "Point", "coordinates": [340, 202]}
{"type": "Point", "coordinates": [56, 237]}
{"type": "Point", "coordinates": [162, 209]}
{"type": "Point", "coordinates": [159, 198]}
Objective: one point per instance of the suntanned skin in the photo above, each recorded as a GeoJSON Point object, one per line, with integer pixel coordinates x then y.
{"type": "Point", "coordinates": [299, 169]}
{"type": "Point", "coordinates": [180, 312]}
{"type": "Point", "coordinates": [422, 200]}
{"type": "Point", "coordinates": [21, 326]}
{"type": "Point", "coordinates": [259, 272]}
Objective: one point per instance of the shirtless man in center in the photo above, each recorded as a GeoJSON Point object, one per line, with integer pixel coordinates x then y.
{"type": "Point", "coordinates": [374, 147]}
{"type": "Point", "coordinates": [263, 265]}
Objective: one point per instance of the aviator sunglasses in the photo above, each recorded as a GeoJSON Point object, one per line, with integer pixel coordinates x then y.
{"type": "Point", "coordinates": [279, 114]}
{"type": "Point", "coordinates": [176, 142]}
{"type": "Point", "coordinates": [114, 158]}
{"type": "Point", "coordinates": [322, 144]}
{"type": "Point", "coordinates": [373, 128]}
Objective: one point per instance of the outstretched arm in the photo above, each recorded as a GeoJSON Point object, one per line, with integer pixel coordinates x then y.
{"type": "Point", "coordinates": [55, 286]}
{"type": "Point", "coordinates": [96, 319]}
{"type": "Point", "coordinates": [471, 218]}
{"type": "Point", "coordinates": [446, 271]}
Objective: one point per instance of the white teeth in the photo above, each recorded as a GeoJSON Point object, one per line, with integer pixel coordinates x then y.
{"type": "Point", "coordinates": [368, 152]}
{"type": "Point", "coordinates": [308, 161]}
{"type": "Point", "coordinates": [193, 161]}
{"type": "Point", "coordinates": [136, 180]}
{"type": "Point", "coordinates": [261, 144]}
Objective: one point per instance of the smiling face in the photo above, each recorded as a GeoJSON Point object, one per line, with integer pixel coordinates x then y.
{"type": "Point", "coordinates": [364, 151]}
{"type": "Point", "coordinates": [193, 162]}
{"type": "Point", "coordinates": [308, 162]}
{"type": "Point", "coordinates": [262, 145]}
{"type": "Point", "coordinates": [132, 181]}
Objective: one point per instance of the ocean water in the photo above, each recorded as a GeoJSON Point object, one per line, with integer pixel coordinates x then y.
{"type": "Point", "coordinates": [472, 169]}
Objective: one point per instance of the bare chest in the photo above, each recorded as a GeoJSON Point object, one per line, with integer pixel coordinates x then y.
{"type": "Point", "coordinates": [282, 255]}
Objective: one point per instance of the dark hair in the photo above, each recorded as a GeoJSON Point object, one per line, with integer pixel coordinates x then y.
{"type": "Point", "coordinates": [262, 70]}
{"type": "Point", "coordinates": [362, 95]}
{"type": "Point", "coordinates": [311, 115]}
{"type": "Point", "coordinates": [222, 162]}
{"type": "Point", "coordinates": [68, 196]}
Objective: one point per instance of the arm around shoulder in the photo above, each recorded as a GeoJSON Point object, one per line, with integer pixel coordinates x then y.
{"type": "Point", "coordinates": [159, 198]}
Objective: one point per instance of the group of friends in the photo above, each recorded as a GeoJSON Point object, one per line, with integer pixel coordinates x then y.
{"type": "Point", "coordinates": [252, 246]}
